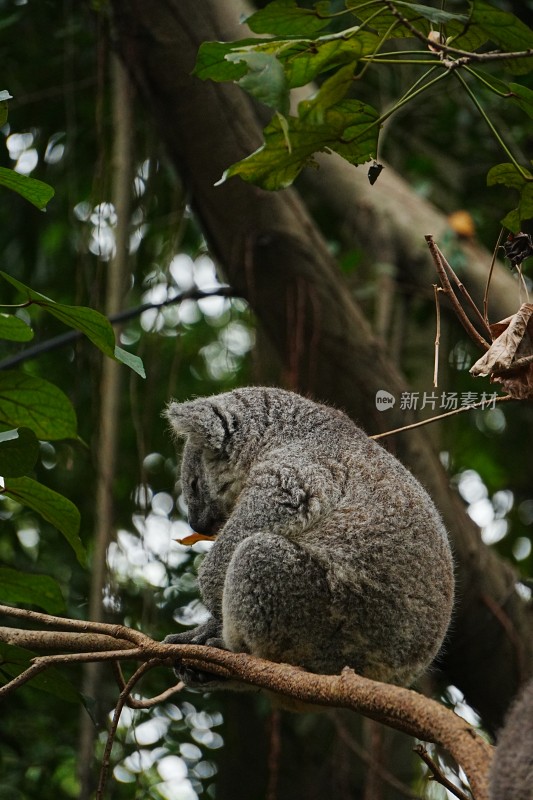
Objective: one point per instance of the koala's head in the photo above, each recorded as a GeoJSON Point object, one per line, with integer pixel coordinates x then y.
{"type": "Point", "coordinates": [211, 474]}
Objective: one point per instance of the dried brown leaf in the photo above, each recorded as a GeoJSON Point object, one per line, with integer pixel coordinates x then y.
{"type": "Point", "coordinates": [512, 341]}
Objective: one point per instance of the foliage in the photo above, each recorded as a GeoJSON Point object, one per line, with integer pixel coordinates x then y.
{"type": "Point", "coordinates": [332, 120]}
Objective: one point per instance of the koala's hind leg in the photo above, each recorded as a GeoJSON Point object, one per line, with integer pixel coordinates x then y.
{"type": "Point", "coordinates": [277, 605]}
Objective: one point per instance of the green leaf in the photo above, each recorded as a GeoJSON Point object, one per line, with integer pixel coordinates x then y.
{"type": "Point", "coordinates": [265, 79]}
{"type": "Point", "coordinates": [323, 124]}
{"type": "Point", "coordinates": [504, 30]}
{"type": "Point", "coordinates": [435, 15]}
{"type": "Point", "coordinates": [55, 508]}
{"type": "Point", "coordinates": [14, 329]}
{"type": "Point", "coordinates": [285, 18]}
{"type": "Point", "coordinates": [31, 402]}
{"type": "Point", "coordinates": [211, 63]}
{"type": "Point", "coordinates": [94, 325]}
{"type": "Point", "coordinates": [381, 19]}
{"type": "Point", "coordinates": [302, 59]}
{"type": "Point", "coordinates": [508, 175]}
{"type": "Point", "coordinates": [130, 360]}
{"type": "Point", "coordinates": [36, 590]}
{"type": "Point", "coordinates": [36, 192]}
{"type": "Point", "coordinates": [523, 96]}
{"type": "Point", "coordinates": [19, 450]}
{"type": "Point", "coordinates": [14, 660]}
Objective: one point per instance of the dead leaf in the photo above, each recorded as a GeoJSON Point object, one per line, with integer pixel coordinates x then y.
{"type": "Point", "coordinates": [512, 341]}
{"type": "Point", "coordinates": [192, 538]}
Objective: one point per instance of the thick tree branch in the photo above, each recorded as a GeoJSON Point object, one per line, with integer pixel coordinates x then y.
{"type": "Point", "coordinates": [399, 708]}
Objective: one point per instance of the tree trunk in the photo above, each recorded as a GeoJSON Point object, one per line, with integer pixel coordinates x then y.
{"type": "Point", "coordinates": [273, 254]}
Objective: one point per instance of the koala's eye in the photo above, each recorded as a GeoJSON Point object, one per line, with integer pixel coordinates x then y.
{"type": "Point", "coordinates": [194, 484]}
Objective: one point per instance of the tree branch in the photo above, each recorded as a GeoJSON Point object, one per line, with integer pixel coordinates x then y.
{"type": "Point", "coordinates": [466, 56]}
{"type": "Point", "coordinates": [399, 708]}
{"type": "Point", "coordinates": [438, 774]}
{"type": "Point", "coordinates": [115, 319]}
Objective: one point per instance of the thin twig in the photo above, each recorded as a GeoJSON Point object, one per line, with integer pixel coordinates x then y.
{"type": "Point", "coordinates": [137, 675]}
{"type": "Point", "coordinates": [466, 57]}
{"type": "Point", "coordinates": [123, 316]}
{"type": "Point", "coordinates": [523, 292]}
{"type": "Point", "coordinates": [471, 407]}
{"type": "Point", "coordinates": [486, 295]}
{"type": "Point", "coordinates": [438, 259]}
{"type": "Point", "coordinates": [437, 336]}
{"type": "Point", "coordinates": [44, 662]}
{"type": "Point", "coordinates": [438, 775]}
{"type": "Point", "coordinates": [464, 291]}
{"type": "Point", "coordinates": [149, 702]}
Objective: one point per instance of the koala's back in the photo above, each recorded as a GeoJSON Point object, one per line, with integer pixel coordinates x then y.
{"type": "Point", "coordinates": [332, 553]}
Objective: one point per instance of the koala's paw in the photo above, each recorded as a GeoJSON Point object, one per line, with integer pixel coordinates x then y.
{"type": "Point", "coordinates": [191, 677]}
{"type": "Point", "coordinates": [197, 678]}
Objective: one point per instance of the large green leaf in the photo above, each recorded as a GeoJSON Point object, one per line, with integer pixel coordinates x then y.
{"type": "Point", "coordinates": [130, 360]}
{"type": "Point", "coordinates": [265, 79]}
{"type": "Point", "coordinates": [302, 59]}
{"type": "Point", "coordinates": [35, 590]}
{"type": "Point", "coordinates": [19, 451]}
{"type": "Point", "coordinates": [523, 96]}
{"type": "Point", "coordinates": [14, 660]}
{"type": "Point", "coordinates": [55, 508]}
{"type": "Point", "coordinates": [380, 18]}
{"type": "Point", "coordinates": [36, 192]}
{"type": "Point", "coordinates": [94, 325]}
{"type": "Point", "coordinates": [211, 62]}
{"type": "Point", "coordinates": [14, 329]}
{"type": "Point", "coordinates": [286, 18]}
{"type": "Point", "coordinates": [31, 402]}
{"type": "Point", "coordinates": [508, 175]}
{"type": "Point", "coordinates": [324, 123]}
{"type": "Point", "coordinates": [501, 28]}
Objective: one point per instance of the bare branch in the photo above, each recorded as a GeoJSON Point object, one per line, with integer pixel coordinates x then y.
{"type": "Point", "coordinates": [402, 709]}
{"type": "Point", "coordinates": [61, 640]}
{"type": "Point", "coordinates": [441, 265]}
{"type": "Point", "coordinates": [83, 626]}
{"type": "Point", "coordinates": [471, 407]}
{"type": "Point", "coordinates": [466, 57]}
{"type": "Point", "coordinates": [489, 278]}
{"type": "Point", "coordinates": [137, 675]}
{"type": "Point", "coordinates": [438, 775]}
{"type": "Point", "coordinates": [149, 702]}
{"type": "Point", "coordinates": [115, 319]}
{"type": "Point", "coordinates": [436, 290]}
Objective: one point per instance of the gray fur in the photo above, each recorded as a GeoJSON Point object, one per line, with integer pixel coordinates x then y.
{"type": "Point", "coordinates": [329, 552]}
{"type": "Point", "coordinates": [511, 775]}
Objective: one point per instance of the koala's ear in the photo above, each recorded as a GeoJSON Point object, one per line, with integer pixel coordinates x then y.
{"type": "Point", "coordinates": [199, 419]}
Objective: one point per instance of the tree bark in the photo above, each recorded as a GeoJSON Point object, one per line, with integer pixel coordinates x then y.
{"type": "Point", "coordinates": [273, 254]}
{"type": "Point", "coordinates": [109, 414]}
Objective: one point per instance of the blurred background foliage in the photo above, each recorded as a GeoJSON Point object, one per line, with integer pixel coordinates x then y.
{"type": "Point", "coordinates": [56, 64]}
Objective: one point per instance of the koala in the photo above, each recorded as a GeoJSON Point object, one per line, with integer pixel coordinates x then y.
{"type": "Point", "coordinates": [511, 775]}
{"type": "Point", "coordinates": [328, 552]}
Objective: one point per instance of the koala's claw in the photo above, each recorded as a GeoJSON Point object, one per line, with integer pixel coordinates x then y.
{"type": "Point", "coordinates": [196, 678]}
{"type": "Point", "coordinates": [191, 677]}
